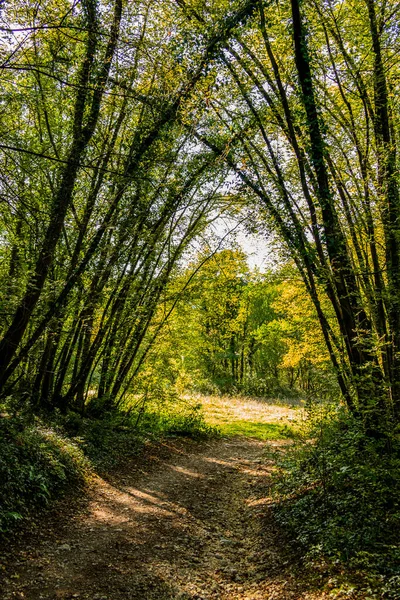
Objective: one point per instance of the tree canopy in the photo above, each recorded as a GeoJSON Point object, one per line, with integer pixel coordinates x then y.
{"type": "Point", "coordinates": [127, 127]}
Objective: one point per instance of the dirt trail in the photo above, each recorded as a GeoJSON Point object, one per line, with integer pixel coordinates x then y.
{"type": "Point", "coordinates": [184, 522]}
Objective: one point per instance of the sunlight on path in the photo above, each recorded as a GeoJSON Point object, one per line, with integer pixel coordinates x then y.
{"type": "Point", "coordinates": [187, 521]}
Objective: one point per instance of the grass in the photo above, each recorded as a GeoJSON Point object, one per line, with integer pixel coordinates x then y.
{"type": "Point", "coordinates": [251, 417]}
{"type": "Point", "coordinates": [260, 431]}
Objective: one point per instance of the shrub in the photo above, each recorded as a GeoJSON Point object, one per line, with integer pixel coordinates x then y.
{"type": "Point", "coordinates": [338, 494]}
{"type": "Point", "coordinates": [189, 422]}
{"type": "Point", "coordinates": [36, 463]}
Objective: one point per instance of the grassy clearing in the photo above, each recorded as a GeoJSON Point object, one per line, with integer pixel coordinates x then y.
{"type": "Point", "coordinates": [251, 417]}
{"type": "Point", "coordinates": [261, 431]}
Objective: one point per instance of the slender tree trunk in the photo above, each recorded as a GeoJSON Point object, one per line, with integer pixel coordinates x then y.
{"type": "Point", "coordinates": [353, 320]}
{"type": "Point", "coordinates": [390, 198]}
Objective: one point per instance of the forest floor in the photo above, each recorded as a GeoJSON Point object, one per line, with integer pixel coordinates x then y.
{"type": "Point", "coordinates": [186, 520]}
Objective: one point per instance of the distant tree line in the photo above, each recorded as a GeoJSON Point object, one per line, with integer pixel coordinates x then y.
{"type": "Point", "coordinates": [236, 330]}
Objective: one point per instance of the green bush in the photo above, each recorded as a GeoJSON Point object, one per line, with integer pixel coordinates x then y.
{"type": "Point", "coordinates": [164, 412]}
{"type": "Point", "coordinates": [189, 423]}
{"type": "Point", "coordinates": [338, 495]}
{"type": "Point", "coordinates": [36, 463]}
{"type": "Point", "coordinates": [107, 440]}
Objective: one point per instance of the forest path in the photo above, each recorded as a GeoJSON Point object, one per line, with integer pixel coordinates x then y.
{"type": "Point", "coordinates": [185, 521]}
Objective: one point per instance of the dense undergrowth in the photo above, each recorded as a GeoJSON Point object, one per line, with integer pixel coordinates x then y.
{"type": "Point", "coordinates": [37, 463]}
{"type": "Point", "coordinates": [337, 494]}
{"type": "Point", "coordinates": [41, 457]}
